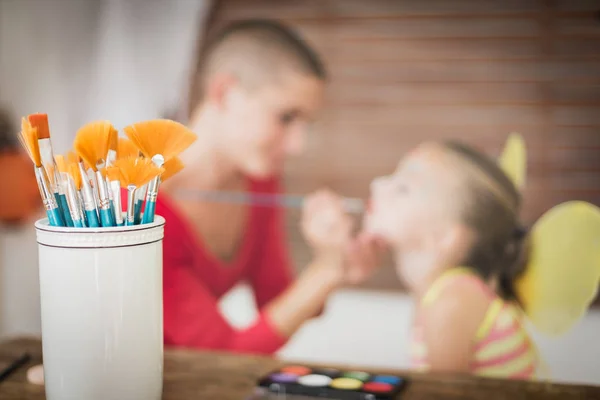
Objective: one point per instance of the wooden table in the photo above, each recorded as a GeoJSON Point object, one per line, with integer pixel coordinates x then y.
{"type": "Point", "coordinates": [193, 375]}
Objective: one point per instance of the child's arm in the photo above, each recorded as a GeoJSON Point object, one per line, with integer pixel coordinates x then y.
{"type": "Point", "coordinates": [450, 325]}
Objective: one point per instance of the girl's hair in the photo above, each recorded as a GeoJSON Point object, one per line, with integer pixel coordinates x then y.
{"type": "Point", "coordinates": [493, 203]}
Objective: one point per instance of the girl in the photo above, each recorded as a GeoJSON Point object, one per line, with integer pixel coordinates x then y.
{"type": "Point", "coordinates": [452, 217]}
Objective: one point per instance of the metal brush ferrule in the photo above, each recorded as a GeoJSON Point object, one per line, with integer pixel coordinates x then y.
{"type": "Point", "coordinates": [130, 205]}
{"type": "Point", "coordinates": [152, 192]}
{"type": "Point", "coordinates": [58, 180]}
{"type": "Point", "coordinates": [115, 188]}
{"type": "Point", "coordinates": [140, 193]}
{"type": "Point", "coordinates": [47, 195]}
{"type": "Point", "coordinates": [73, 201]}
{"type": "Point", "coordinates": [80, 197]}
{"type": "Point", "coordinates": [111, 157]}
{"type": "Point", "coordinates": [49, 164]}
{"type": "Point", "coordinates": [104, 203]}
{"type": "Point", "coordinates": [89, 203]}
{"type": "Point", "coordinates": [110, 189]}
{"type": "Point", "coordinates": [63, 183]}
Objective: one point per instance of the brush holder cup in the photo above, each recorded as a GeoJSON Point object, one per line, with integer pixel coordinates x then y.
{"type": "Point", "coordinates": [102, 311]}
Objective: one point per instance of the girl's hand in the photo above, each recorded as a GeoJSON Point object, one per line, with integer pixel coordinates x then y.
{"type": "Point", "coordinates": [325, 225]}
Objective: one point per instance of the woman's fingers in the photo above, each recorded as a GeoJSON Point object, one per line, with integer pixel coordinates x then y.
{"type": "Point", "coordinates": [324, 222]}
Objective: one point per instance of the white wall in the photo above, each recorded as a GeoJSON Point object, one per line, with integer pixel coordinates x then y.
{"type": "Point", "coordinates": [371, 329]}
{"type": "Point", "coordinates": [77, 61]}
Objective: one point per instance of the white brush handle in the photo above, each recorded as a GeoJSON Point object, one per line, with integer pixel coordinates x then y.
{"type": "Point", "coordinates": [351, 205]}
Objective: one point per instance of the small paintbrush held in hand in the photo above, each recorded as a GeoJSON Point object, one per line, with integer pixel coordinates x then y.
{"type": "Point", "coordinates": [83, 188]}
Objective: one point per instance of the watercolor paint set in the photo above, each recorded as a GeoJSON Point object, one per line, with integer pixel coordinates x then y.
{"type": "Point", "coordinates": [296, 382]}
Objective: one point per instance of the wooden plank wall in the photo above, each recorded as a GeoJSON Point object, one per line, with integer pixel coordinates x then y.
{"type": "Point", "coordinates": [411, 70]}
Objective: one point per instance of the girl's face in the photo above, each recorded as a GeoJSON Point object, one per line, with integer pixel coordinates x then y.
{"type": "Point", "coordinates": [413, 208]}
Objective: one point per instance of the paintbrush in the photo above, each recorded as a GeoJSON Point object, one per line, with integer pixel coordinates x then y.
{"type": "Point", "coordinates": [126, 148]}
{"type": "Point", "coordinates": [171, 167]}
{"type": "Point", "coordinates": [351, 205]}
{"type": "Point", "coordinates": [62, 183]}
{"type": "Point", "coordinates": [74, 195]}
{"type": "Point", "coordinates": [71, 181]}
{"type": "Point", "coordinates": [159, 140]}
{"type": "Point", "coordinates": [40, 123]}
{"type": "Point", "coordinates": [113, 146]}
{"type": "Point", "coordinates": [113, 175]}
{"type": "Point", "coordinates": [73, 161]}
{"type": "Point", "coordinates": [133, 173]}
{"type": "Point", "coordinates": [111, 157]}
{"type": "Point", "coordinates": [29, 140]}
{"type": "Point", "coordinates": [92, 143]}
{"type": "Point", "coordinates": [88, 200]}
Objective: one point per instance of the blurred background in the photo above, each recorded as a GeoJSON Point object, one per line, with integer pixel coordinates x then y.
{"type": "Point", "coordinates": [401, 72]}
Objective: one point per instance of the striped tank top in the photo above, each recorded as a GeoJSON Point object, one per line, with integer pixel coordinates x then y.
{"type": "Point", "coordinates": [501, 347]}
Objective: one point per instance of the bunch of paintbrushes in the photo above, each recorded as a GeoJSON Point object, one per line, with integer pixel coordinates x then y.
{"type": "Point", "coordinates": [83, 188]}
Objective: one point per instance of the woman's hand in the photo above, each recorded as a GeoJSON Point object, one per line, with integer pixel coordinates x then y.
{"type": "Point", "coordinates": [327, 229]}
{"type": "Point", "coordinates": [325, 225]}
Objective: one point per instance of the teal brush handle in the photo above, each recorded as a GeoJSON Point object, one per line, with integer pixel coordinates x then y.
{"type": "Point", "coordinates": [61, 208]}
{"type": "Point", "coordinates": [149, 212]}
{"type": "Point", "coordinates": [137, 212]}
{"type": "Point", "coordinates": [92, 218]}
{"type": "Point", "coordinates": [112, 214]}
{"type": "Point", "coordinates": [78, 223]}
{"type": "Point", "coordinates": [64, 206]}
{"type": "Point", "coordinates": [106, 217]}
{"type": "Point", "coordinates": [151, 195]}
{"type": "Point", "coordinates": [54, 217]}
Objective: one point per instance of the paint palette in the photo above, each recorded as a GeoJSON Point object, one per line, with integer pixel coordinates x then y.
{"type": "Point", "coordinates": [295, 382]}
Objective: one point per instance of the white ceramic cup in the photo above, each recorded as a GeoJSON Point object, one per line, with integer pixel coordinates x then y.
{"type": "Point", "coordinates": [102, 311]}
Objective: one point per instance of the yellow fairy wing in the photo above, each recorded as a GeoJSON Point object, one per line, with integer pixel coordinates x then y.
{"type": "Point", "coordinates": [513, 160]}
{"type": "Point", "coordinates": [563, 274]}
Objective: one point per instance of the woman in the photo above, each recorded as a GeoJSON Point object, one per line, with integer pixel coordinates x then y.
{"type": "Point", "coordinates": [255, 91]}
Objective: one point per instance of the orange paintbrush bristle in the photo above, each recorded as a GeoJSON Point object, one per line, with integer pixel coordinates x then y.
{"type": "Point", "coordinates": [92, 142]}
{"type": "Point", "coordinates": [160, 136]}
{"type": "Point", "coordinates": [61, 163]}
{"type": "Point", "coordinates": [172, 167]}
{"type": "Point", "coordinates": [40, 122]}
{"type": "Point", "coordinates": [113, 139]}
{"type": "Point", "coordinates": [72, 157]}
{"type": "Point", "coordinates": [113, 173]}
{"type": "Point", "coordinates": [29, 139]}
{"type": "Point", "coordinates": [73, 168]}
{"type": "Point", "coordinates": [126, 148]}
{"type": "Point", "coordinates": [136, 171]}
